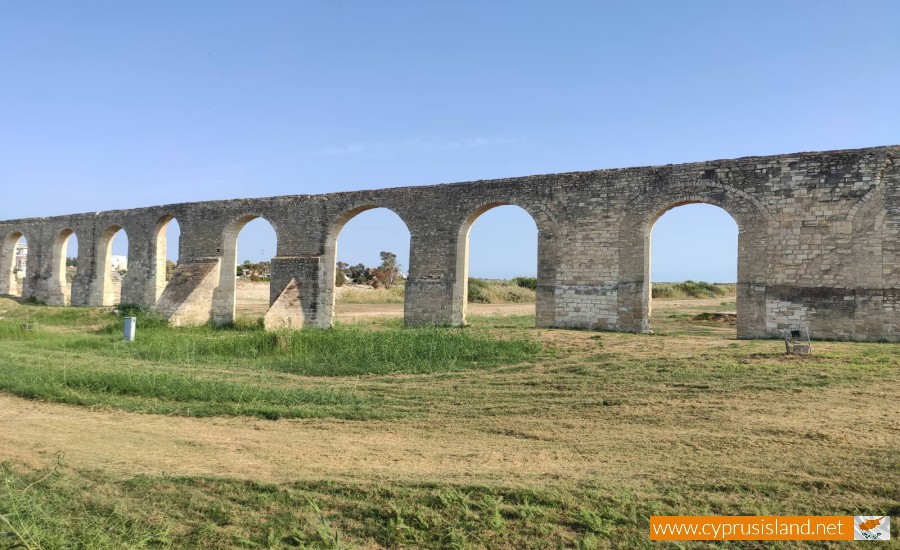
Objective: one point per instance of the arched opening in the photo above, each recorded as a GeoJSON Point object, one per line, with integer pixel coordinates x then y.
{"type": "Point", "coordinates": [368, 256]}
{"type": "Point", "coordinates": [168, 252]}
{"type": "Point", "coordinates": [112, 264]}
{"type": "Point", "coordinates": [14, 255]}
{"type": "Point", "coordinates": [693, 270]}
{"type": "Point", "coordinates": [64, 267]}
{"type": "Point", "coordinates": [244, 291]}
{"type": "Point", "coordinates": [497, 269]}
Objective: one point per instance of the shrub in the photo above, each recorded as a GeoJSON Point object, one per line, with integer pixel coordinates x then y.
{"type": "Point", "coordinates": [478, 291]}
{"type": "Point", "coordinates": [483, 291]}
{"type": "Point", "coordinates": [526, 282]}
{"type": "Point", "coordinates": [692, 289]}
{"type": "Point", "coordinates": [145, 318]}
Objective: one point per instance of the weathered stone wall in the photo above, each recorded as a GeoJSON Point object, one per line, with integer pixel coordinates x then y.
{"type": "Point", "coordinates": [819, 244]}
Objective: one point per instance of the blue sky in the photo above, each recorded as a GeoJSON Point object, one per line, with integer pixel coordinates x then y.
{"type": "Point", "coordinates": [117, 105]}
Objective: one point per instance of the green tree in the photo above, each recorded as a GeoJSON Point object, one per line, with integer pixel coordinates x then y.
{"type": "Point", "coordinates": [360, 274]}
{"type": "Point", "coordinates": [525, 282]}
{"type": "Point", "coordinates": [170, 269]}
{"type": "Point", "coordinates": [245, 267]}
{"type": "Point", "coordinates": [388, 273]}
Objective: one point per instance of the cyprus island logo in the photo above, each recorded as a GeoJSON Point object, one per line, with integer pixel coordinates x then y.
{"type": "Point", "coordinates": [871, 527]}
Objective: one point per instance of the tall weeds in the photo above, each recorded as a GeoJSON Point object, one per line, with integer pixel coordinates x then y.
{"type": "Point", "coordinates": [692, 289]}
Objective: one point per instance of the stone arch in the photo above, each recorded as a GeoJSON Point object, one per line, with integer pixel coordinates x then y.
{"type": "Point", "coordinates": [225, 300]}
{"type": "Point", "coordinates": [60, 291]}
{"type": "Point", "coordinates": [336, 225]}
{"type": "Point", "coordinates": [864, 227]}
{"type": "Point", "coordinates": [329, 256]}
{"type": "Point", "coordinates": [160, 254]}
{"type": "Point", "coordinates": [874, 191]}
{"type": "Point", "coordinates": [876, 194]}
{"type": "Point", "coordinates": [106, 291]}
{"type": "Point", "coordinates": [9, 283]}
{"type": "Point", "coordinates": [461, 279]}
{"type": "Point", "coordinates": [750, 215]}
{"type": "Point", "coordinates": [729, 198]}
{"type": "Point", "coordinates": [681, 247]}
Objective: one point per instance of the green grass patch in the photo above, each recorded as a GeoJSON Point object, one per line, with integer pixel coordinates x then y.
{"type": "Point", "coordinates": [165, 392]}
{"type": "Point", "coordinates": [502, 322]}
{"type": "Point", "coordinates": [342, 351]}
{"type": "Point", "coordinates": [71, 509]}
{"type": "Point", "coordinates": [64, 508]}
{"type": "Point", "coordinates": [20, 311]}
{"type": "Point", "coordinates": [241, 370]}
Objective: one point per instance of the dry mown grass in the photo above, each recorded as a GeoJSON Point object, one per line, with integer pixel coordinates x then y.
{"type": "Point", "coordinates": [253, 297]}
{"type": "Point", "coordinates": [575, 445]}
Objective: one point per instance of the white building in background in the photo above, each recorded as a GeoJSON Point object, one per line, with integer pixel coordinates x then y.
{"type": "Point", "coordinates": [21, 260]}
{"type": "Point", "coordinates": [119, 263]}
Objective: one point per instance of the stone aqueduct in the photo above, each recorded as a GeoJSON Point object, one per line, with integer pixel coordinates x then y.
{"type": "Point", "coordinates": [819, 244]}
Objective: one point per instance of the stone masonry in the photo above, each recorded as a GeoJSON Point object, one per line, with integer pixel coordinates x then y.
{"type": "Point", "coordinates": [819, 244]}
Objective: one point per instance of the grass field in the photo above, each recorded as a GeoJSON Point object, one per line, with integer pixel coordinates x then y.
{"type": "Point", "coordinates": [497, 435]}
